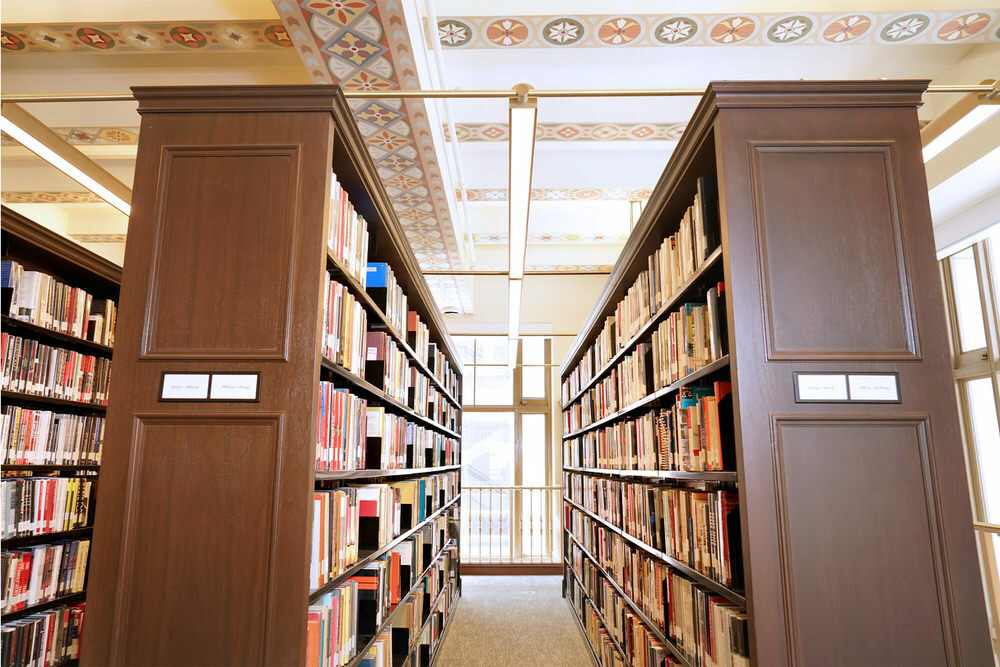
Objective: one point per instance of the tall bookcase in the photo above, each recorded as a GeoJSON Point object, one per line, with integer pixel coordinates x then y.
{"type": "Point", "coordinates": [38, 249]}
{"type": "Point", "coordinates": [857, 545]}
{"type": "Point", "coordinates": [203, 550]}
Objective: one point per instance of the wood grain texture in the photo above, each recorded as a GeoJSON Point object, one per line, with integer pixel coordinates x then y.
{"type": "Point", "coordinates": [857, 536]}
{"type": "Point", "coordinates": [201, 547]}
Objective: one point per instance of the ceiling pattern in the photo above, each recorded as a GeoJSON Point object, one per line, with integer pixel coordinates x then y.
{"type": "Point", "coordinates": [145, 38]}
{"type": "Point", "coordinates": [916, 26]}
{"type": "Point", "coordinates": [364, 45]}
{"type": "Point", "coordinates": [562, 194]}
{"type": "Point", "coordinates": [36, 197]}
{"type": "Point", "coordinates": [89, 136]}
{"type": "Point", "coordinates": [572, 237]}
{"type": "Point", "coordinates": [98, 238]}
{"type": "Point", "coordinates": [572, 131]}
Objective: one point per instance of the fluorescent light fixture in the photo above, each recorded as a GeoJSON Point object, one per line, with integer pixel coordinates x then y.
{"type": "Point", "coordinates": [512, 352]}
{"type": "Point", "coordinates": [513, 308]}
{"type": "Point", "coordinates": [523, 114]}
{"type": "Point", "coordinates": [970, 121]}
{"type": "Point", "coordinates": [63, 165]}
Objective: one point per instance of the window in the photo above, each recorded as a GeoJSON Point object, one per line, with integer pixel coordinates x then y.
{"type": "Point", "coordinates": [972, 288]}
{"type": "Point", "coordinates": [508, 480]}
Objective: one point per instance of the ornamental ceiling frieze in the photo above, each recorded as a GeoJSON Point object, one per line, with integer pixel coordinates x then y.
{"type": "Point", "coordinates": [682, 29]}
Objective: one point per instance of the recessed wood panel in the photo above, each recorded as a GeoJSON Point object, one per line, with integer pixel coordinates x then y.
{"type": "Point", "coordinates": [199, 540]}
{"type": "Point", "coordinates": [211, 295]}
{"type": "Point", "coordinates": [834, 270]}
{"type": "Point", "coordinates": [860, 545]}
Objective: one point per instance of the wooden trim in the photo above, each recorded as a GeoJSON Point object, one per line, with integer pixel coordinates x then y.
{"type": "Point", "coordinates": [511, 569]}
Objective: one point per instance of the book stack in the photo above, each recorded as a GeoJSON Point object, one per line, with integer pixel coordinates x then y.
{"type": "Point", "coordinates": [341, 435]}
{"type": "Point", "coordinates": [345, 324]}
{"type": "Point", "coordinates": [698, 528]}
{"type": "Point", "coordinates": [438, 363]}
{"type": "Point", "coordinates": [696, 434]}
{"type": "Point", "coordinates": [689, 339]}
{"type": "Point", "coordinates": [336, 521]}
{"type": "Point", "coordinates": [38, 437]}
{"type": "Point", "coordinates": [46, 639]}
{"type": "Point", "coordinates": [331, 631]}
{"type": "Point", "coordinates": [386, 437]}
{"type": "Point", "coordinates": [44, 505]}
{"type": "Point", "coordinates": [379, 654]}
{"type": "Point", "coordinates": [41, 573]}
{"type": "Point", "coordinates": [678, 258]}
{"type": "Point", "coordinates": [419, 391]}
{"type": "Point", "coordinates": [635, 375]}
{"type": "Point", "coordinates": [600, 638]}
{"type": "Point", "coordinates": [601, 400]}
{"type": "Point", "coordinates": [40, 299]}
{"type": "Point", "coordinates": [386, 366]}
{"type": "Point", "coordinates": [441, 411]}
{"type": "Point", "coordinates": [30, 367]}
{"type": "Point", "coordinates": [348, 233]}
{"type": "Point", "coordinates": [417, 336]}
{"type": "Point", "coordinates": [707, 627]}
{"type": "Point", "coordinates": [387, 293]}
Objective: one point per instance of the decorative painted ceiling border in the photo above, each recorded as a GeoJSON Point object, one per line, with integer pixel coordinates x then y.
{"type": "Point", "coordinates": [37, 38]}
{"type": "Point", "coordinates": [364, 45]}
{"type": "Point", "coordinates": [39, 197]}
{"type": "Point", "coordinates": [574, 131]}
{"type": "Point", "coordinates": [896, 27]}
{"type": "Point", "coordinates": [98, 238]}
{"type": "Point", "coordinates": [89, 136]}
{"type": "Point", "coordinates": [562, 194]}
{"type": "Point", "coordinates": [572, 237]}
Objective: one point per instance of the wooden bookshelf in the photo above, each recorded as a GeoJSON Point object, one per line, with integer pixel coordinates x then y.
{"type": "Point", "coordinates": [855, 524]}
{"type": "Point", "coordinates": [37, 248]}
{"type": "Point", "coordinates": [225, 267]}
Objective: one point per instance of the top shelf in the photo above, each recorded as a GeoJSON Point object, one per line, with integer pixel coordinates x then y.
{"type": "Point", "coordinates": [708, 265]}
{"type": "Point", "coordinates": [361, 294]}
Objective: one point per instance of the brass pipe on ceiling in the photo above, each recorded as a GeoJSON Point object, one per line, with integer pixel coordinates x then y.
{"type": "Point", "coordinates": [475, 94]}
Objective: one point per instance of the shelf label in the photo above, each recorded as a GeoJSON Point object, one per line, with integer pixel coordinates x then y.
{"type": "Point", "coordinates": [883, 388]}
{"type": "Point", "coordinates": [820, 387]}
{"type": "Point", "coordinates": [234, 387]}
{"type": "Point", "coordinates": [184, 387]}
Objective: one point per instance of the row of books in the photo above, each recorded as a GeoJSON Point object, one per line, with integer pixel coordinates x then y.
{"type": "Point", "coordinates": [344, 619]}
{"type": "Point", "coordinates": [38, 437]}
{"type": "Point", "coordinates": [694, 435]}
{"type": "Point", "coordinates": [387, 366]}
{"type": "Point", "coordinates": [348, 242]}
{"type": "Point", "coordinates": [707, 627]}
{"type": "Point", "coordinates": [345, 323]}
{"type": "Point", "coordinates": [699, 528]}
{"type": "Point", "coordinates": [46, 639]}
{"type": "Point", "coordinates": [668, 269]}
{"type": "Point", "coordinates": [355, 518]}
{"type": "Point", "coordinates": [30, 367]}
{"type": "Point", "coordinates": [387, 294]}
{"type": "Point", "coordinates": [352, 434]}
{"type": "Point", "coordinates": [348, 232]}
{"type": "Point", "coordinates": [42, 300]}
{"type": "Point", "coordinates": [44, 505]}
{"type": "Point", "coordinates": [641, 647]}
{"type": "Point", "coordinates": [41, 573]}
{"type": "Point", "coordinates": [690, 338]}
{"type": "Point", "coordinates": [597, 634]}
{"type": "Point", "coordinates": [439, 365]}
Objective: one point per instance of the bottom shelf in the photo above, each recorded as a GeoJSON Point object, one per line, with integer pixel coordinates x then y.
{"type": "Point", "coordinates": [444, 631]}
{"type": "Point", "coordinates": [583, 631]}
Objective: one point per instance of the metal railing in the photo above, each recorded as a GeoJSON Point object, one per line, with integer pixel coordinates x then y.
{"type": "Point", "coordinates": [989, 545]}
{"type": "Point", "coordinates": [511, 524]}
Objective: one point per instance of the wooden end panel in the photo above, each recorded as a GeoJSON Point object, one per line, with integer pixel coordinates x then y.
{"type": "Point", "coordinates": [850, 221]}
{"type": "Point", "coordinates": [219, 571]}
{"type": "Point", "coordinates": [873, 546]}
{"type": "Point", "coordinates": [223, 253]}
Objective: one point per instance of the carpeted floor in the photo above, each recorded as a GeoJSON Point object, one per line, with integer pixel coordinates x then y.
{"type": "Point", "coordinates": [513, 620]}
